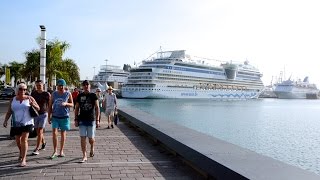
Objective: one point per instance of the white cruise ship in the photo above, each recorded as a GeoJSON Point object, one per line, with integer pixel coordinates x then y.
{"type": "Point", "coordinates": [111, 73]}
{"type": "Point", "coordinates": [173, 74]}
{"type": "Point", "coordinates": [296, 89]}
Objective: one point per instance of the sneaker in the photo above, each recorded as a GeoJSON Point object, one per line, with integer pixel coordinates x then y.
{"type": "Point", "coordinates": [35, 152]}
{"type": "Point", "coordinates": [111, 126]}
{"type": "Point", "coordinates": [43, 146]}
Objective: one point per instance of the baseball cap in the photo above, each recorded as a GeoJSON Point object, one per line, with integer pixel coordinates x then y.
{"type": "Point", "coordinates": [61, 82]}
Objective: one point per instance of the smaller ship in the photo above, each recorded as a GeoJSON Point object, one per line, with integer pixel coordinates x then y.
{"type": "Point", "coordinates": [296, 89]}
{"type": "Point", "coordinates": [111, 73]}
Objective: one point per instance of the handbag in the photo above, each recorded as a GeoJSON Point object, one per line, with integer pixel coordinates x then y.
{"type": "Point", "coordinates": [33, 112]}
{"type": "Point", "coordinates": [33, 133]}
{"type": "Point", "coordinates": [116, 119]}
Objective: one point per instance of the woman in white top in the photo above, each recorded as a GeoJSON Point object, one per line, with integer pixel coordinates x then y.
{"type": "Point", "coordinates": [22, 122]}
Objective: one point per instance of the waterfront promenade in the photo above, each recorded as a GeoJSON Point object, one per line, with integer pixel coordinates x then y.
{"type": "Point", "coordinates": [121, 153]}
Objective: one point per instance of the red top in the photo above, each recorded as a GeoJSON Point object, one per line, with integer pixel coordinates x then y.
{"type": "Point", "coordinates": [75, 95]}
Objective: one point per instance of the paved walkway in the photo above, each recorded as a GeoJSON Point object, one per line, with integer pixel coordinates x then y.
{"type": "Point", "coordinates": [121, 153]}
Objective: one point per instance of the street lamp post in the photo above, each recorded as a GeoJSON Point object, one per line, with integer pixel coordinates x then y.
{"type": "Point", "coordinates": [106, 77]}
{"type": "Point", "coordinates": [43, 56]}
{"type": "Point", "coordinates": [94, 72]}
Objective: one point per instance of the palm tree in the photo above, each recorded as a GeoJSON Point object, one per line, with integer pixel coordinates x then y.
{"type": "Point", "coordinates": [70, 67]}
{"type": "Point", "coordinates": [2, 69]}
{"type": "Point", "coordinates": [55, 64]}
{"type": "Point", "coordinates": [16, 70]}
{"type": "Point", "coordinates": [32, 65]}
{"type": "Point", "coordinates": [55, 51]}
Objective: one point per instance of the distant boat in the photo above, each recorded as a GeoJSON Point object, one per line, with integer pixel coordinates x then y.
{"type": "Point", "coordinates": [296, 89]}
{"type": "Point", "coordinates": [173, 74]}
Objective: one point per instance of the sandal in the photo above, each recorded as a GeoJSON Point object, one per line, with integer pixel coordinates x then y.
{"type": "Point", "coordinates": [53, 156]}
{"type": "Point", "coordinates": [61, 155]}
{"type": "Point", "coordinates": [83, 160]}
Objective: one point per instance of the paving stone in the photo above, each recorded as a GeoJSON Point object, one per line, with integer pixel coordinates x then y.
{"type": "Point", "coordinates": [120, 153]}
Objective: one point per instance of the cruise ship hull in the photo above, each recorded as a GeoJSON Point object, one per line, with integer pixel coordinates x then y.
{"type": "Point", "coordinates": [196, 94]}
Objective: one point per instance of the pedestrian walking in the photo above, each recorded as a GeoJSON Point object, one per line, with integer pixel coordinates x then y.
{"type": "Point", "coordinates": [110, 106]}
{"type": "Point", "coordinates": [100, 99]}
{"type": "Point", "coordinates": [22, 122]}
{"type": "Point", "coordinates": [58, 115]}
{"type": "Point", "coordinates": [75, 94]}
{"type": "Point", "coordinates": [86, 118]}
{"type": "Point", "coordinates": [42, 98]}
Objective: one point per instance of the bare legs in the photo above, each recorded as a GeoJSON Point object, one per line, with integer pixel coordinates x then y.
{"type": "Point", "coordinates": [84, 148]}
{"type": "Point", "coordinates": [110, 120]}
{"type": "Point", "coordinates": [55, 142]}
{"type": "Point", "coordinates": [63, 140]}
{"type": "Point", "coordinates": [40, 137]}
{"type": "Point", "coordinates": [22, 143]}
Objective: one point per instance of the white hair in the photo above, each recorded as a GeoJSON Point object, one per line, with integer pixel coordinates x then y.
{"type": "Point", "coordinates": [21, 85]}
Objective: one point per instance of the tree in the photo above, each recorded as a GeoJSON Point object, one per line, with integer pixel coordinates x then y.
{"type": "Point", "coordinates": [70, 71]}
{"type": "Point", "coordinates": [2, 69]}
{"type": "Point", "coordinates": [55, 51]}
{"type": "Point", "coordinates": [55, 64]}
{"type": "Point", "coordinates": [16, 70]}
{"type": "Point", "coordinates": [32, 65]}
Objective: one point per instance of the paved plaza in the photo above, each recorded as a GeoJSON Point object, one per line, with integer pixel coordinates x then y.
{"type": "Point", "coordinates": [121, 153]}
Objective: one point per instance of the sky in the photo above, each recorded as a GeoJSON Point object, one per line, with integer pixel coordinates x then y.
{"type": "Point", "coordinates": [273, 35]}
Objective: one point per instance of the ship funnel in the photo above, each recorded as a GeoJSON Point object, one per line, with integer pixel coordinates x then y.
{"type": "Point", "coordinates": [230, 70]}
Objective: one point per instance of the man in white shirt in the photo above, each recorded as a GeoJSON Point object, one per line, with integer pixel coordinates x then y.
{"type": "Point", "coordinates": [110, 106]}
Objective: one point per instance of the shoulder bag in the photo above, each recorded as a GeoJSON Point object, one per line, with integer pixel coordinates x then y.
{"type": "Point", "coordinates": [33, 112]}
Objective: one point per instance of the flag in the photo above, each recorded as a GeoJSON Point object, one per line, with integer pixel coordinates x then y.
{"type": "Point", "coordinates": [8, 79]}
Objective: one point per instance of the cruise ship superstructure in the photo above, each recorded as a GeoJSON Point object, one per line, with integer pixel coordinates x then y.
{"type": "Point", "coordinates": [173, 74]}
{"type": "Point", "coordinates": [296, 89]}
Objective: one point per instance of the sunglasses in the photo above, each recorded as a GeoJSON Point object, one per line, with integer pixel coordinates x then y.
{"type": "Point", "coordinates": [22, 89]}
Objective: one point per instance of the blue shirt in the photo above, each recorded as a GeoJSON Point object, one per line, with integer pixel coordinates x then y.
{"type": "Point", "coordinates": [59, 111]}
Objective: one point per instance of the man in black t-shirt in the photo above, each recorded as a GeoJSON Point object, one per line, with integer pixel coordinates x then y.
{"type": "Point", "coordinates": [86, 117]}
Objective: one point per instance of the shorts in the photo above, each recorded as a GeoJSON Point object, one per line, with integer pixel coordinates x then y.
{"type": "Point", "coordinates": [110, 112]}
{"type": "Point", "coordinates": [40, 121]}
{"type": "Point", "coordinates": [17, 131]}
{"type": "Point", "coordinates": [102, 110]}
{"type": "Point", "coordinates": [63, 124]}
{"type": "Point", "coordinates": [87, 129]}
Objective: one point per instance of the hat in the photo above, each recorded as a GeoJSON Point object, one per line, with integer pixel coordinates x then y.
{"type": "Point", "coordinates": [61, 82]}
{"type": "Point", "coordinates": [98, 89]}
{"type": "Point", "coordinates": [110, 88]}
{"type": "Point", "coordinates": [85, 82]}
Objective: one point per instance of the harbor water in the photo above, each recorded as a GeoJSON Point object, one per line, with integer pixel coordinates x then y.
{"type": "Point", "coordinates": [284, 129]}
